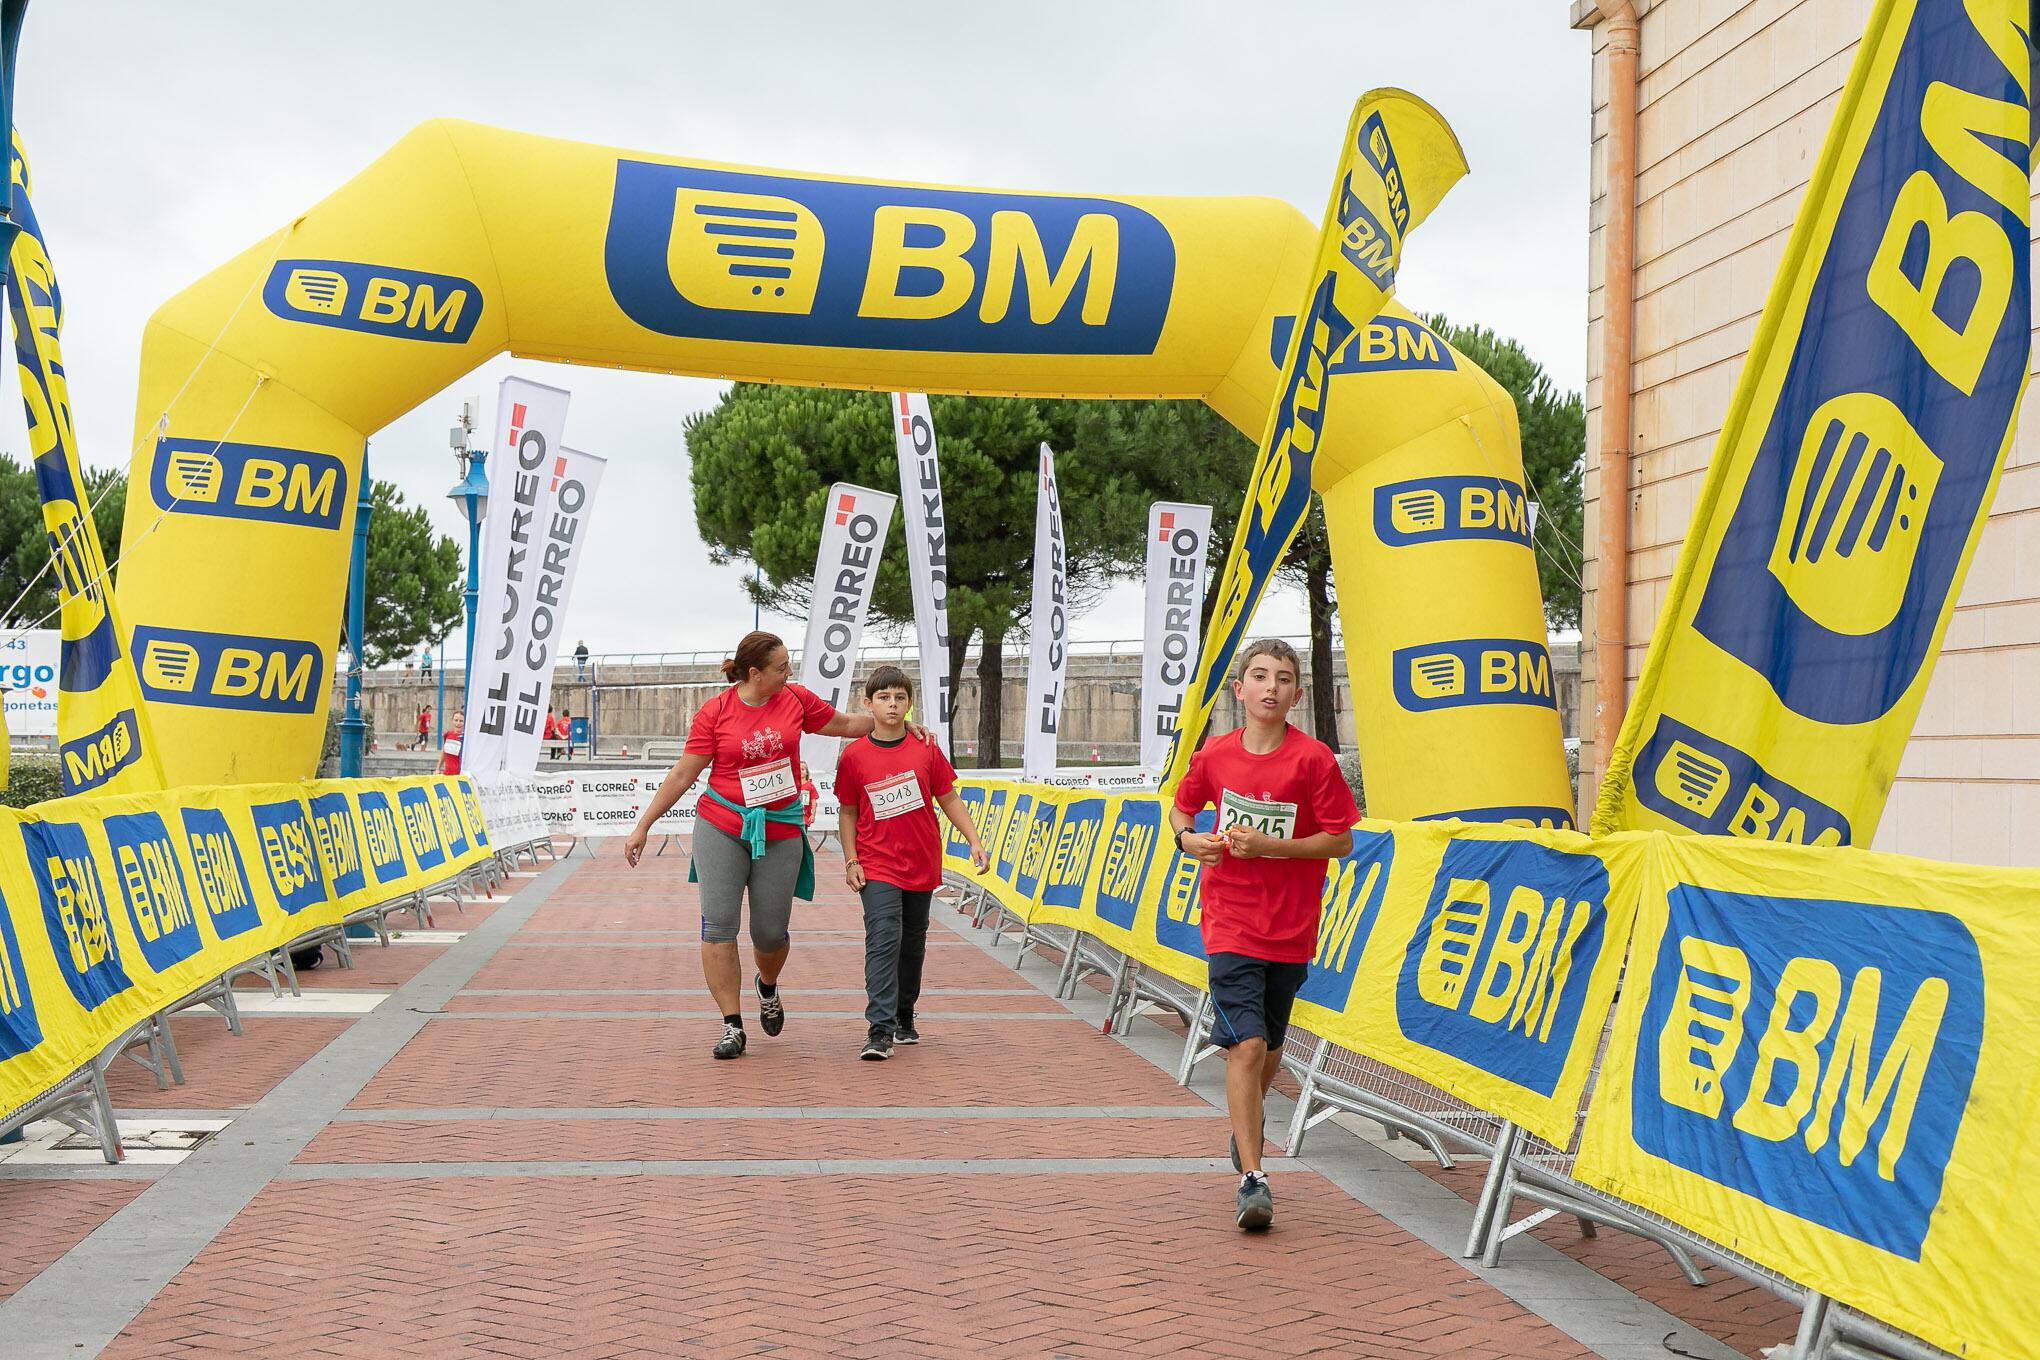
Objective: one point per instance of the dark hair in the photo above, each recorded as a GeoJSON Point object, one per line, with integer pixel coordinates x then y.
{"type": "Point", "coordinates": [1274, 647]}
{"type": "Point", "coordinates": [888, 677]}
{"type": "Point", "coordinates": [753, 653]}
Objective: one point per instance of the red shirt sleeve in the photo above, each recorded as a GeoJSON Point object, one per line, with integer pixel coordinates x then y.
{"type": "Point", "coordinates": [849, 785]}
{"type": "Point", "coordinates": [941, 774]}
{"type": "Point", "coordinates": [815, 711]}
{"type": "Point", "coordinates": [701, 732]}
{"type": "Point", "coordinates": [1195, 791]}
{"type": "Point", "coordinates": [1331, 797]}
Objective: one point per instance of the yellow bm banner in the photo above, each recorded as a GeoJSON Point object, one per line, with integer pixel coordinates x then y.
{"type": "Point", "coordinates": [113, 907]}
{"type": "Point", "coordinates": [1823, 1060]}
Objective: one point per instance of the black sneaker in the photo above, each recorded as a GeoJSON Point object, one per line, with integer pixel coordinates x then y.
{"type": "Point", "coordinates": [731, 1045]}
{"type": "Point", "coordinates": [905, 1033]}
{"type": "Point", "coordinates": [877, 1044]}
{"type": "Point", "coordinates": [1232, 1145]}
{"type": "Point", "coordinates": [1254, 1208]}
{"type": "Point", "coordinates": [771, 1010]}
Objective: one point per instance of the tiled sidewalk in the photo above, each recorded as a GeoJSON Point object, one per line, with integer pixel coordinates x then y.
{"type": "Point", "coordinates": [525, 1150]}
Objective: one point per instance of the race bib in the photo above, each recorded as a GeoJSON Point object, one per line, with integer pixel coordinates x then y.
{"type": "Point", "coordinates": [1276, 819]}
{"type": "Point", "coordinates": [772, 782]}
{"type": "Point", "coordinates": [452, 746]}
{"type": "Point", "coordinates": [893, 795]}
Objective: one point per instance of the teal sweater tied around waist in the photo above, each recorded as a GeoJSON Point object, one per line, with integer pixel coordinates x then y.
{"type": "Point", "coordinates": [751, 832]}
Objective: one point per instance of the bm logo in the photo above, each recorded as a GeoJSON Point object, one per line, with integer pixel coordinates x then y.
{"type": "Point", "coordinates": [290, 852]}
{"type": "Point", "coordinates": [249, 481]}
{"type": "Point", "coordinates": [1036, 831]}
{"type": "Point", "coordinates": [1497, 972]}
{"type": "Point", "coordinates": [1814, 1054]}
{"type": "Point", "coordinates": [1354, 887]}
{"type": "Point", "coordinates": [1069, 856]}
{"type": "Point", "coordinates": [19, 1029]}
{"type": "Point", "coordinates": [228, 670]}
{"type": "Point", "coordinates": [74, 911]}
{"type": "Point", "coordinates": [1472, 671]}
{"type": "Point", "coordinates": [1385, 344]}
{"type": "Point", "coordinates": [406, 304]}
{"type": "Point", "coordinates": [382, 836]}
{"type": "Point", "coordinates": [1012, 834]}
{"type": "Point", "coordinates": [98, 756]}
{"type": "Point", "coordinates": [222, 877]}
{"type": "Point", "coordinates": [954, 846]}
{"type": "Point", "coordinates": [1440, 509]}
{"type": "Point", "coordinates": [1129, 857]}
{"type": "Point", "coordinates": [152, 884]}
{"type": "Point", "coordinates": [1713, 788]}
{"type": "Point", "coordinates": [728, 255]}
{"type": "Point", "coordinates": [1179, 920]}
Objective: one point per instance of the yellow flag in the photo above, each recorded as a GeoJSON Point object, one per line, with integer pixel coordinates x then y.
{"type": "Point", "coordinates": [1398, 160]}
{"type": "Point", "coordinates": [1858, 460]}
{"type": "Point", "coordinates": [103, 741]}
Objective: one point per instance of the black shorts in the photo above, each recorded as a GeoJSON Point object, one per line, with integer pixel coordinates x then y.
{"type": "Point", "coordinates": [1251, 998]}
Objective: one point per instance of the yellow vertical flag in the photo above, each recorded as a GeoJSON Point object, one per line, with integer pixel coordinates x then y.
{"type": "Point", "coordinates": [103, 741]}
{"type": "Point", "coordinates": [1398, 160]}
{"type": "Point", "coordinates": [1859, 455]}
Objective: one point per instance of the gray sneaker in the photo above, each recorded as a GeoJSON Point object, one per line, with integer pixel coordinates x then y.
{"type": "Point", "coordinates": [1254, 1208]}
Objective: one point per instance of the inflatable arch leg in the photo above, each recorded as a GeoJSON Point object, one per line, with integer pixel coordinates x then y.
{"type": "Point", "coordinates": [261, 382]}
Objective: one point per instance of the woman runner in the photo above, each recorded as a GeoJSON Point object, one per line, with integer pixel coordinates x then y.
{"type": "Point", "coordinates": [748, 834]}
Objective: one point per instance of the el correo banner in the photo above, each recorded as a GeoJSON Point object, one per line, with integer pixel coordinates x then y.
{"type": "Point", "coordinates": [854, 524]}
{"type": "Point", "coordinates": [927, 558]}
{"type": "Point", "coordinates": [1177, 538]}
{"type": "Point", "coordinates": [28, 670]}
{"type": "Point", "coordinates": [560, 541]}
{"type": "Point", "coordinates": [505, 702]}
{"type": "Point", "coordinates": [1048, 650]}
{"type": "Point", "coordinates": [1857, 462]}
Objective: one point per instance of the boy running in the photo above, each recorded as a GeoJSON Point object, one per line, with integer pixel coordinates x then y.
{"type": "Point", "coordinates": [892, 853]}
{"type": "Point", "coordinates": [1283, 811]}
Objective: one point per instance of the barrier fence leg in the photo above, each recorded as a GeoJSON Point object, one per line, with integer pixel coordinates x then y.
{"type": "Point", "coordinates": [166, 1050]}
{"type": "Point", "coordinates": [1814, 1329]}
{"type": "Point", "coordinates": [1119, 1006]}
{"type": "Point", "coordinates": [1066, 976]}
{"type": "Point", "coordinates": [1486, 1209]}
{"type": "Point", "coordinates": [1299, 1121]}
{"type": "Point", "coordinates": [229, 1007]}
{"type": "Point", "coordinates": [1194, 1040]}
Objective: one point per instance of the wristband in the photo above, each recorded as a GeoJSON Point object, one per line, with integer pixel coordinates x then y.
{"type": "Point", "coordinates": [1180, 833]}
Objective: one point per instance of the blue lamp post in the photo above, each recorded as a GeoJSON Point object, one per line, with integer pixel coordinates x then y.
{"type": "Point", "coordinates": [472, 492]}
{"type": "Point", "coordinates": [353, 731]}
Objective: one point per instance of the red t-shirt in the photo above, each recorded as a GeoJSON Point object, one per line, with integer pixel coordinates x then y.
{"type": "Point", "coordinates": [891, 788]}
{"type": "Point", "coordinates": [1267, 908]}
{"type": "Point", "coordinates": [449, 752]}
{"type": "Point", "coordinates": [755, 753]}
{"type": "Point", "coordinates": [811, 799]}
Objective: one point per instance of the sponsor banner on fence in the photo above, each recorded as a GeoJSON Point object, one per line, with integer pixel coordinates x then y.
{"type": "Point", "coordinates": [1048, 628]}
{"type": "Point", "coordinates": [1859, 455]}
{"type": "Point", "coordinates": [28, 672]}
{"type": "Point", "coordinates": [114, 906]}
{"type": "Point", "coordinates": [523, 451]}
{"type": "Point", "coordinates": [1177, 538]}
{"type": "Point", "coordinates": [854, 524]}
{"type": "Point", "coordinates": [589, 803]}
{"type": "Point", "coordinates": [927, 557]}
{"type": "Point", "coordinates": [1824, 1060]}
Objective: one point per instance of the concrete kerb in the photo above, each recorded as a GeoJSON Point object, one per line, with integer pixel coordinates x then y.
{"type": "Point", "coordinates": [82, 1301]}
{"type": "Point", "coordinates": [1584, 1304]}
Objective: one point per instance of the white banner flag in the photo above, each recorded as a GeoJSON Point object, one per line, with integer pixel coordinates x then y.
{"type": "Point", "coordinates": [1177, 538]}
{"type": "Point", "coordinates": [559, 542]}
{"type": "Point", "coordinates": [28, 672]}
{"type": "Point", "coordinates": [1048, 649]}
{"type": "Point", "coordinates": [529, 419]}
{"type": "Point", "coordinates": [927, 558]}
{"type": "Point", "coordinates": [854, 524]}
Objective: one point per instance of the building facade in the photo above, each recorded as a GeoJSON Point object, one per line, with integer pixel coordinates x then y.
{"type": "Point", "coordinates": [1733, 99]}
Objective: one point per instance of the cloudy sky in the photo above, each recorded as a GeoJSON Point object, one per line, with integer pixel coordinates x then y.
{"type": "Point", "coordinates": [165, 137]}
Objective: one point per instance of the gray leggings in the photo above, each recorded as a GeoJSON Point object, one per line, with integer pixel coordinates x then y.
{"type": "Point", "coordinates": [724, 867]}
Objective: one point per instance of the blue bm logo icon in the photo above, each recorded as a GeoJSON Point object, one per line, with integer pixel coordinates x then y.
{"type": "Point", "coordinates": [953, 844]}
{"type": "Point", "coordinates": [1179, 919]}
{"type": "Point", "coordinates": [228, 670]}
{"type": "Point", "coordinates": [1012, 834]}
{"type": "Point", "coordinates": [380, 833]}
{"type": "Point", "coordinates": [333, 824]}
{"type": "Point", "coordinates": [1035, 831]}
{"type": "Point", "coordinates": [1069, 858]}
{"type": "Point", "coordinates": [222, 876]}
{"type": "Point", "coordinates": [98, 756]}
{"type": "Point", "coordinates": [1385, 344]}
{"type": "Point", "coordinates": [1717, 790]}
{"type": "Point", "coordinates": [19, 1029]}
{"type": "Point", "coordinates": [248, 481]}
{"type": "Point", "coordinates": [1354, 887]}
{"type": "Point", "coordinates": [74, 911]}
{"type": "Point", "coordinates": [421, 827]}
{"type": "Point", "coordinates": [1471, 671]}
{"type": "Point", "coordinates": [1129, 854]}
{"type": "Point", "coordinates": [408, 304]}
{"type": "Point", "coordinates": [1816, 1055]}
{"type": "Point", "coordinates": [152, 883]}
{"type": "Point", "coordinates": [1498, 969]}
{"type": "Point", "coordinates": [290, 852]}
{"type": "Point", "coordinates": [727, 255]}
{"type": "Point", "coordinates": [1437, 509]}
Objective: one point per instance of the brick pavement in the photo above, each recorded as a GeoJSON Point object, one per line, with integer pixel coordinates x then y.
{"type": "Point", "coordinates": [572, 1183]}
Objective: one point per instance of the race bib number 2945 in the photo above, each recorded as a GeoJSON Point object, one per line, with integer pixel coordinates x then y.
{"type": "Point", "coordinates": [1275, 819]}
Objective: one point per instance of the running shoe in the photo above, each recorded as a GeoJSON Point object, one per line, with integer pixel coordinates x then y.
{"type": "Point", "coordinates": [731, 1045]}
{"type": "Point", "coordinates": [877, 1044]}
{"type": "Point", "coordinates": [905, 1033]}
{"type": "Point", "coordinates": [1254, 1208]}
{"type": "Point", "coordinates": [1232, 1144]}
{"type": "Point", "coordinates": [771, 1010]}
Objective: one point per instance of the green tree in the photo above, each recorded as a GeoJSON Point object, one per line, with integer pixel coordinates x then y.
{"type": "Point", "coordinates": [24, 546]}
{"type": "Point", "coordinates": [414, 580]}
{"type": "Point", "coordinates": [1554, 427]}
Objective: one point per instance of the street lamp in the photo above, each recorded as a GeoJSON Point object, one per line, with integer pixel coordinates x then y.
{"type": "Point", "coordinates": [472, 491]}
{"type": "Point", "coordinates": [353, 732]}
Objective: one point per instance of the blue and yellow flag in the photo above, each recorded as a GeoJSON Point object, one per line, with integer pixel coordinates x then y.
{"type": "Point", "coordinates": [1398, 160]}
{"type": "Point", "coordinates": [1857, 462]}
{"type": "Point", "coordinates": [103, 738]}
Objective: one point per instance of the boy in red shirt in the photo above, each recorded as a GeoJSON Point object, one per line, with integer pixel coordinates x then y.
{"type": "Point", "coordinates": [892, 853]}
{"type": "Point", "coordinates": [1283, 810]}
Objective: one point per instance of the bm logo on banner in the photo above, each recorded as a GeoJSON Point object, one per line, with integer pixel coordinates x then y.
{"type": "Point", "coordinates": [1497, 972]}
{"type": "Point", "coordinates": [1814, 1055]}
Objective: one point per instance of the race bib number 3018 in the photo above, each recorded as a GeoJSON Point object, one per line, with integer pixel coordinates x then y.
{"type": "Point", "coordinates": [1276, 819]}
{"type": "Point", "coordinates": [893, 795]}
{"type": "Point", "coordinates": [771, 782]}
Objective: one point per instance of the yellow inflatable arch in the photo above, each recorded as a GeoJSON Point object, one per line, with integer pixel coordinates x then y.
{"type": "Point", "coordinates": [261, 382]}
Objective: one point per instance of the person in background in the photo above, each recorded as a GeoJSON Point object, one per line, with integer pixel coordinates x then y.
{"type": "Point", "coordinates": [581, 661]}
{"type": "Point", "coordinates": [424, 728]}
{"type": "Point", "coordinates": [810, 796]}
{"type": "Point", "coordinates": [449, 745]}
{"type": "Point", "coordinates": [552, 733]}
{"type": "Point", "coordinates": [566, 731]}
{"type": "Point", "coordinates": [425, 667]}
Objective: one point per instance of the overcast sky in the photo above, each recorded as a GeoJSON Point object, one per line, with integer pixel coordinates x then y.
{"type": "Point", "coordinates": [166, 136]}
